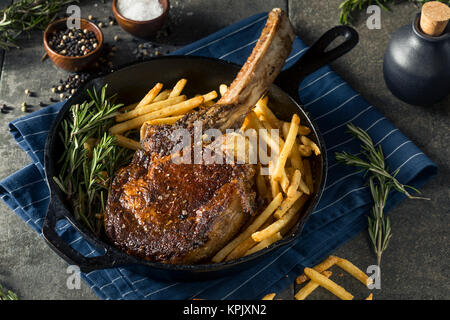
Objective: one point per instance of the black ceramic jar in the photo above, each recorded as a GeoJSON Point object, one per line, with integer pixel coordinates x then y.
{"type": "Point", "coordinates": [416, 66]}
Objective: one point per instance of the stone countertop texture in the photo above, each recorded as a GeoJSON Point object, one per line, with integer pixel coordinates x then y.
{"type": "Point", "coordinates": [415, 266]}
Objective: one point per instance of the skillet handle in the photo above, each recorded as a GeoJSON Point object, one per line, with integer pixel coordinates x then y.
{"type": "Point", "coordinates": [317, 56]}
{"type": "Point", "coordinates": [65, 251]}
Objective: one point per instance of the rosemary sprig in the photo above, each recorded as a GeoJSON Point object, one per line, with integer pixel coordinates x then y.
{"type": "Point", "coordinates": [26, 15]}
{"type": "Point", "coordinates": [90, 158]}
{"type": "Point", "coordinates": [381, 181]}
{"type": "Point", "coordinates": [348, 7]}
{"type": "Point", "coordinates": [7, 295]}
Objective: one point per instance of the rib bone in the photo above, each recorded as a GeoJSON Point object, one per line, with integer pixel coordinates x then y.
{"type": "Point", "coordinates": [254, 79]}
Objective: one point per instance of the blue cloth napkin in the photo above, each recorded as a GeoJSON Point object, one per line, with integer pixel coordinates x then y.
{"type": "Point", "coordinates": [340, 215]}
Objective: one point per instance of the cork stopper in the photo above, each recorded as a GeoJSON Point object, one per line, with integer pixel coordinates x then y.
{"type": "Point", "coordinates": [434, 18]}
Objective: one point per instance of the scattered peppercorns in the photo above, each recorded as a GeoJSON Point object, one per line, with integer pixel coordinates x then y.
{"type": "Point", "coordinates": [71, 84]}
{"type": "Point", "coordinates": [24, 107]}
{"type": "Point", "coordinates": [146, 50]}
{"type": "Point", "coordinates": [112, 21]}
{"type": "Point", "coordinates": [5, 108]}
{"type": "Point", "coordinates": [73, 42]}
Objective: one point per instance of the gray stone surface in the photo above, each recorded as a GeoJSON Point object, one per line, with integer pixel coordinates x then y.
{"type": "Point", "coordinates": [415, 265]}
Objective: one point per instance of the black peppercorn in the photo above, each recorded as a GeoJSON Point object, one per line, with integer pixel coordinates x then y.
{"type": "Point", "coordinates": [72, 42]}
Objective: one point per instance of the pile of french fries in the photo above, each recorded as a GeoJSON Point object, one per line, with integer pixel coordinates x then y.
{"type": "Point", "coordinates": [320, 276]}
{"type": "Point", "coordinates": [286, 189]}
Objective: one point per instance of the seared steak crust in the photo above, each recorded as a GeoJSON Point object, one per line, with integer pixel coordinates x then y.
{"type": "Point", "coordinates": [168, 212]}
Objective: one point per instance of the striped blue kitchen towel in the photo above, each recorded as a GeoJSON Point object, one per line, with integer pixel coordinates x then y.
{"type": "Point", "coordinates": [340, 215]}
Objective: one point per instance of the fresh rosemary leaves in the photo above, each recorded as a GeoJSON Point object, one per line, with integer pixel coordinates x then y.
{"type": "Point", "coordinates": [7, 295]}
{"type": "Point", "coordinates": [381, 182]}
{"type": "Point", "coordinates": [26, 15]}
{"type": "Point", "coordinates": [348, 7]}
{"type": "Point", "coordinates": [90, 158]}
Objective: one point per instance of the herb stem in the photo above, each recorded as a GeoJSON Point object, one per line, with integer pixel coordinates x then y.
{"type": "Point", "coordinates": [7, 295]}
{"type": "Point", "coordinates": [91, 157]}
{"type": "Point", "coordinates": [27, 15]}
{"type": "Point", "coordinates": [381, 182]}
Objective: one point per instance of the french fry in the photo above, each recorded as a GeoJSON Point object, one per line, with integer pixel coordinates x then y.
{"type": "Point", "coordinates": [142, 131]}
{"type": "Point", "coordinates": [210, 96]}
{"type": "Point", "coordinates": [304, 187]}
{"type": "Point", "coordinates": [321, 267]}
{"type": "Point", "coordinates": [127, 142]}
{"type": "Point", "coordinates": [284, 182]}
{"type": "Point", "coordinates": [222, 89]}
{"type": "Point", "coordinates": [279, 166]}
{"type": "Point", "coordinates": [206, 98]}
{"type": "Point", "coordinates": [294, 156]}
{"type": "Point", "coordinates": [262, 119]}
{"type": "Point", "coordinates": [262, 108]}
{"type": "Point", "coordinates": [264, 243]}
{"type": "Point", "coordinates": [209, 103]}
{"type": "Point", "coordinates": [285, 128]}
{"type": "Point", "coordinates": [256, 124]}
{"type": "Point", "coordinates": [177, 109]}
{"type": "Point", "coordinates": [241, 249]}
{"type": "Point", "coordinates": [328, 284]}
{"type": "Point", "coordinates": [305, 151]}
{"type": "Point", "coordinates": [286, 228]}
{"type": "Point", "coordinates": [247, 244]}
{"type": "Point", "coordinates": [304, 292]}
{"type": "Point", "coordinates": [370, 297]}
{"type": "Point", "coordinates": [170, 120]}
{"type": "Point", "coordinates": [160, 121]}
{"type": "Point", "coordinates": [150, 95]}
{"type": "Point", "coordinates": [250, 229]}
{"type": "Point", "coordinates": [357, 273]}
{"type": "Point", "coordinates": [308, 142]}
{"type": "Point", "coordinates": [139, 111]}
{"type": "Point", "coordinates": [304, 130]}
{"type": "Point", "coordinates": [286, 205]}
{"type": "Point", "coordinates": [308, 174]}
{"type": "Point", "coordinates": [274, 185]}
{"type": "Point", "coordinates": [163, 95]}
{"type": "Point", "coordinates": [279, 224]}
{"type": "Point", "coordinates": [295, 182]}
{"type": "Point", "coordinates": [179, 86]}
{"type": "Point", "coordinates": [269, 296]}
{"type": "Point", "coordinates": [129, 107]}
{"type": "Point", "coordinates": [245, 124]}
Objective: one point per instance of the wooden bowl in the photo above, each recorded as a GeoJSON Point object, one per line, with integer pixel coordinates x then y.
{"type": "Point", "coordinates": [142, 29]}
{"type": "Point", "coordinates": [73, 64]}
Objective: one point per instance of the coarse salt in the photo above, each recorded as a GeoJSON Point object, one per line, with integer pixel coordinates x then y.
{"type": "Point", "coordinates": [140, 10]}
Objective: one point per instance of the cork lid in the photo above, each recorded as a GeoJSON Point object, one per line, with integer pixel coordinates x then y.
{"type": "Point", "coordinates": [434, 18]}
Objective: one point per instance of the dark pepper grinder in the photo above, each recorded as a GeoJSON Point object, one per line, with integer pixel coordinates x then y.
{"type": "Point", "coordinates": [417, 60]}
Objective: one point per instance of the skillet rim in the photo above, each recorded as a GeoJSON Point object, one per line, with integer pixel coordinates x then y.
{"type": "Point", "coordinates": [128, 259]}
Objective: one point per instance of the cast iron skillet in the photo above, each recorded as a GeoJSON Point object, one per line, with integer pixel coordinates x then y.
{"type": "Point", "coordinates": [204, 74]}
